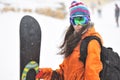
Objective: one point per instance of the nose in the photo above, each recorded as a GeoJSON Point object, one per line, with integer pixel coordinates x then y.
{"type": "Point", "coordinates": [78, 26]}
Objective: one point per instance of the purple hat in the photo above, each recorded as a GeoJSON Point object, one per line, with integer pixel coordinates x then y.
{"type": "Point", "coordinates": [78, 8]}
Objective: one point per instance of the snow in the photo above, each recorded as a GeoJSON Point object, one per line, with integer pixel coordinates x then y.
{"type": "Point", "coordinates": [52, 35]}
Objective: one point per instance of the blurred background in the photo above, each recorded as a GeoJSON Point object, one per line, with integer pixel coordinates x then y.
{"type": "Point", "coordinates": [53, 17]}
{"type": "Point", "coordinates": [53, 8]}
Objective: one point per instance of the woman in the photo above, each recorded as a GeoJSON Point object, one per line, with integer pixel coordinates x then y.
{"type": "Point", "coordinates": [72, 67]}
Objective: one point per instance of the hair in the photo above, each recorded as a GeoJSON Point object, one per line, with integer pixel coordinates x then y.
{"type": "Point", "coordinates": [71, 40]}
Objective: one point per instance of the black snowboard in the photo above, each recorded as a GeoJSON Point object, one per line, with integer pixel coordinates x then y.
{"type": "Point", "coordinates": [30, 43]}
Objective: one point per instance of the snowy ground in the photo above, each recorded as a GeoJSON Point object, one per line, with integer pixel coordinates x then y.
{"type": "Point", "coordinates": [52, 35]}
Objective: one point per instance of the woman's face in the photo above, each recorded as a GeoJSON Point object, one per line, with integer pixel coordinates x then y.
{"type": "Point", "coordinates": [77, 28]}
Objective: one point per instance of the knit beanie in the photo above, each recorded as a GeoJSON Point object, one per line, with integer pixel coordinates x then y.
{"type": "Point", "coordinates": [78, 8]}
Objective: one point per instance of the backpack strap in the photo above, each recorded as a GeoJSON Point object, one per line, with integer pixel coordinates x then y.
{"type": "Point", "coordinates": [83, 47]}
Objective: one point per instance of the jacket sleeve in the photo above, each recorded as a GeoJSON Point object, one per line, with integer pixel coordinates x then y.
{"type": "Point", "coordinates": [93, 64]}
{"type": "Point", "coordinates": [60, 72]}
{"type": "Point", "coordinates": [48, 73]}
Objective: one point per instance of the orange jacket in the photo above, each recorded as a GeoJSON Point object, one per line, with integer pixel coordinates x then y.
{"type": "Point", "coordinates": [73, 69]}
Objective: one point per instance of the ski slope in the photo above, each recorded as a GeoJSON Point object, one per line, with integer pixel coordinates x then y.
{"type": "Point", "coordinates": [52, 35]}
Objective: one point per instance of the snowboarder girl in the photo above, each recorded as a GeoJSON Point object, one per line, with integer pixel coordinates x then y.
{"type": "Point", "coordinates": [72, 68]}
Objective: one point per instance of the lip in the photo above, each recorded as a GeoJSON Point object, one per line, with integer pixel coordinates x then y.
{"type": "Point", "coordinates": [77, 30]}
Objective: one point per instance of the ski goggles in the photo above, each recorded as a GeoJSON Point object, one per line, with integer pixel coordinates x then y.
{"type": "Point", "coordinates": [79, 20]}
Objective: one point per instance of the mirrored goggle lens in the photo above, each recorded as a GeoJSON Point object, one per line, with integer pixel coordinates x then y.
{"type": "Point", "coordinates": [81, 20]}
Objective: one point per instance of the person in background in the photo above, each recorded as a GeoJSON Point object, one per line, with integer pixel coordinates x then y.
{"type": "Point", "coordinates": [117, 14]}
{"type": "Point", "coordinates": [99, 9]}
{"type": "Point", "coordinates": [72, 68]}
